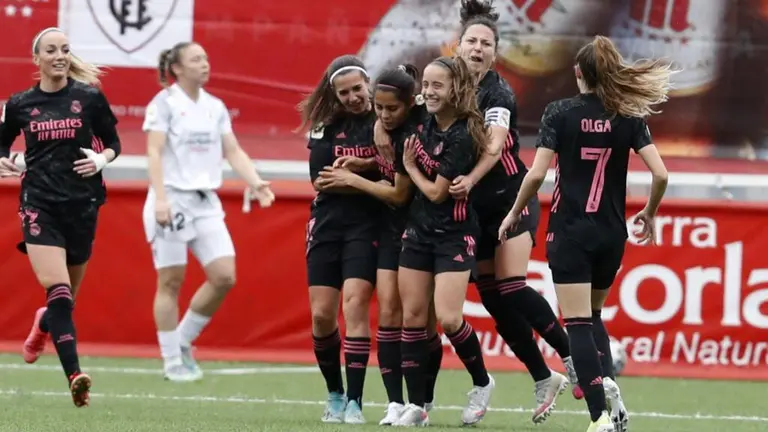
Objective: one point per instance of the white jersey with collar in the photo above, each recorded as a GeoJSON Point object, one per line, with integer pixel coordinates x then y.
{"type": "Point", "coordinates": [193, 154]}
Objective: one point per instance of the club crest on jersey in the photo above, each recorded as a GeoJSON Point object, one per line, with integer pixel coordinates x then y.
{"type": "Point", "coordinates": [76, 107]}
{"type": "Point", "coordinates": [318, 132]}
{"type": "Point", "coordinates": [131, 24]}
{"type": "Point", "coordinates": [438, 149]}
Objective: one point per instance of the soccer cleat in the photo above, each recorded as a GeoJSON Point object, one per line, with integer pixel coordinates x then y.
{"type": "Point", "coordinates": [394, 411]}
{"type": "Point", "coordinates": [353, 414]}
{"type": "Point", "coordinates": [603, 424]}
{"type": "Point", "coordinates": [335, 408]}
{"type": "Point", "coordinates": [619, 415]}
{"type": "Point", "coordinates": [35, 343]}
{"type": "Point", "coordinates": [571, 370]}
{"type": "Point", "coordinates": [547, 392]}
{"type": "Point", "coordinates": [80, 386]}
{"type": "Point", "coordinates": [479, 400]}
{"type": "Point", "coordinates": [176, 371]}
{"type": "Point", "coordinates": [413, 416]}
{"type": "Point", "coordinates": [189, 362]}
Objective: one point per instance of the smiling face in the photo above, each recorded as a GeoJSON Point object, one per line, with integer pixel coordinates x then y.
{"type": "Point", "coordinates": [436, 87]}
{"type": "Point", "coordinates": [52, 55]}
{"type": "Point", "coordinates": [478, 48]}
{"type": "Point", "coordinates": [351, 89]}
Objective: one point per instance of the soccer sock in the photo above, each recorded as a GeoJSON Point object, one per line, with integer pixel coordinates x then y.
{"type": "Point", "coordinates": [603, 343]}
{"type": "Point", "coordinates": [357, 350]}
{"type": "Point", "coordinates": [467, 346]}
{"type": "Point", "coordinates": [43, 325]}
{"type": "Point", "coordinates": [587, 364]}
{"type": "Point", "coordinates": [328, 355]}
{"type": "Point", "coordinates": [191, 326]}
{"type": "Point", "coordinates": [518, 334]}
{"type": "Point", "coordinates": [388, 341]}
{"type": "Point", "coordinates": [170, 349]}
{"type": "Point", "coordinates": [62, 328]}
{"type": "Point", "coordinates": [414, 352]}
{"type": "Point", "coordinates": [434, 361]}
{"type": "Point", "coordinates": [517, 295]}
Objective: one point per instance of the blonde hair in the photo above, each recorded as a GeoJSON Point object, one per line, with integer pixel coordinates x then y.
{"type": "Point", "coordinates": [79, 70]}
{"type": "Point", "coordinates": [630, 90]}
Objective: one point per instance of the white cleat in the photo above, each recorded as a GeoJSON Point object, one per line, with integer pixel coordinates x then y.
{"type": "Point", "coordinates": [619, 415]}
{"type": "Point", "coordinates": [547, 391]}
{"type": "Point", "coordinates": [479, 400]}
{"type": "Point", "coordinates": [189, 362]}
{"type": "Point", "coordinates": [335, 408]}
{"type": "Point", "coordinates": [413, 416]}
{"type": "Point", "coordinates": [353, 414]}
{"type": "Point", "coordinates": [178, 372]}
{"type": "Point", "coordinates": [394, 411]}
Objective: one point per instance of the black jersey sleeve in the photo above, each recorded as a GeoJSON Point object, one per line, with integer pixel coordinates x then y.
{"type": "Point", "coordinates": [501, 110]}
{"type": "Point", "coordinates": [320, 152]}
{"type": "Point", "coordinates": [458, 158]}
{"type": "Point", "coordinates": [104, 123]}
{"type": "Point", "coordinates": [9, 128]}
{"type": "Point", "coordinates": [548, 130]}
{"type": "Point", "coordinates": [642, 136]}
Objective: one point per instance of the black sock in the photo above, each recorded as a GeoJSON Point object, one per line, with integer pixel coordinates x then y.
{"type": "Point", "coordinates": [587, 364]}
{"type": "Point", "coordinates": [328, 355]}
{"type": "Point", "coordinates": [434, 361]}
{"type": "Point", "coordinates": [43, 325]}
{"type": "Point", "coordinates": [388, 341]}
{"type": "Point", "coordinates": [414, 352]}
{"type": "Point", "coordinates": [467, 346]}
{"type": "Point", "coordinates": [603, 343]}
{"type": "Point", "coordinates": [517, 295]}
{"type": "Point", "coordinates": [62, 328]}
{"type": "Point", "coordinates": [518, 334]}
{"type": "Point", "coordinates": [357, 350]}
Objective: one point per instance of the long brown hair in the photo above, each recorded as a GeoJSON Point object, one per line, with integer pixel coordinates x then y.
{"type": "Point", "coordinates": [463, 100]}
{"type": "Point", "coordinates": [322, 105]}
{"type": "Point", "coordinates": [630, 90]}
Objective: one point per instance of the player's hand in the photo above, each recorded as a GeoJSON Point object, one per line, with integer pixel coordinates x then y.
{"type": "Point", "coordinates": [162, 212]}
{"type": "Point", "coordinates": [648, 226]}
{"type": "Point", "coordinates": [351, 163]}
{"type": "Point", "coordinates": [383, 142]}
{"type": "Point", "coordinates": [461, 187]}
{"type": "Point", "coordinates": [409, 151]}
{"type": "Point", "coordinates": [261, 192]}
{"type": "Point", "coordinates": [336, 177]}
{"type": "Point", "coordinates": [509, 223]}
{"type": "Point", "coordinates": [8, 167]}
{"type": "Point", "coordinates": [91, 164]}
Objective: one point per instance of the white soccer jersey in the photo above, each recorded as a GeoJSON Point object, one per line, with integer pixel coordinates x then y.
{"type": "Point", "coordinates": [193, 154]}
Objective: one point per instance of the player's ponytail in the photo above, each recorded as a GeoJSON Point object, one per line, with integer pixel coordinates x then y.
{"type": "Point", "coordinates": [322, 105]}
{"type": "Point", "coordinates": [167, 59]}
{"type": "Point", "coordinates": [84, 72]}
{"type": "Point", "coordinates": [630, 90]}
{"type": "Point", "coordinates": [162, 67]}
{"type": "Point", "coordinates": [400, 80]}
{"type": "Point", "coordinates": [479, 12]}
{"type": "Point", "coordinates": [463, 99]}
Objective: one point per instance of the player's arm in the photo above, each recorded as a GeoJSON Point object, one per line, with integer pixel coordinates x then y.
{"type": "Point", "coordinates": [157, 122]}
{"type": "Point", "coordinates": [397, 195]}
{"type": "Point", "coordinates": [320, 158]}
{"type": "Point", "coordinates": [456, 161]}
{"type": "Point", "coordinates": [9, 130]}
{"type": "Point", "coordinates": [104, 125]}
{"type": "Point", "coordinates": [643, 145]}
{"type": "Point", "coordinates": [497, 121]}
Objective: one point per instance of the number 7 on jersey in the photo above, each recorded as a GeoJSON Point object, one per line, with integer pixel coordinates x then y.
{"type": "Point", "coordinates": [600, 155]}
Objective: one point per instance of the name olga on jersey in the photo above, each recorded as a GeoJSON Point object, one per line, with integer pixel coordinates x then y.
{"type": "Point", "coordinates": [595, 126]}
{"type": "Point", "coordinates": [55, 129]}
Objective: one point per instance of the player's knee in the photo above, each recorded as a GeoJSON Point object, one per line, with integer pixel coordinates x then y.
{"type": "Point", "coordinates": [415, 315]}
{"type": "Point", "coordinates": [390, 314]}
{"type": "Point", "coordinates": [323, 320]}
{"type": "Point", "coordinates": [169, 284]}
{"type": "Point", "coordinates": [355, 308]}
{"type": "Point", "coordinates": [451, 322]}
{"type": "Point", "coordinates": [223, 282]}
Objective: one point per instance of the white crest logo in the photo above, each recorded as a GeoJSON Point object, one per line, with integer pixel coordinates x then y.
{"type": "Point", "coordinates": [131, 24]}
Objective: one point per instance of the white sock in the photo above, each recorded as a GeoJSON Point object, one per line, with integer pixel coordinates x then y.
{"type": "Point", "coordinates": [170, 348]}
{"type": "Point", "coordinates": [191, 326]}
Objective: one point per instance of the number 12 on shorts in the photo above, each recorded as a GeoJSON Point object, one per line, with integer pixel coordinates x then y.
{"type": "Point", "coordinates": [601, 155]}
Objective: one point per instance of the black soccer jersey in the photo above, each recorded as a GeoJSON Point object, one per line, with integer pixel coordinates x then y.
{"type": "Point", "coordinates": [592, 149]}
{"type": "Point", "coordinates": [350, 135]}
{"type": "Point", "coordinates": [448, 153]}
{"type": "Point", "coordinates": [56, 126]}
{"type": "Point", "coordinates": [496, 101]}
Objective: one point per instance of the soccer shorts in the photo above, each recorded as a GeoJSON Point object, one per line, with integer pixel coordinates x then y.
{"type": "Point", "coordinates": [334, 256]}
{"type": "Point", "coordinates": [490, 216]}
{"type": "Point", "coordinates": [432, 254]}
{"type": "Point", "coordinates": [70, 226]}
{"type": "Point", "coordinates": [572, 262]}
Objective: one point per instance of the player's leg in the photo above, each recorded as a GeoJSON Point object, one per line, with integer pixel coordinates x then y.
{"type": "Point", "coordinates": [434, 357]}
{"type": "Point", "coordinates": [571, 266]}
{"type": "Point", "coordinates": [359, 262]}
{"type": "Point", "coordinates": [45, 240]}
{"type": "Point", "coordinates": [454, 261]}
{"type": "Point", "coordinates": [325, 280]}
{"type": "Point", "coordinates": [415, 281]}
{"type": "Point", "coordinates": [388, 335]}
{"type": "Point", "coordinates": [605, 269]}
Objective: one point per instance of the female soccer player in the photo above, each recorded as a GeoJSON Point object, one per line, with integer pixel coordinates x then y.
{"type": "Point", "coordinates": [342, 232]}
{"type": "Point", "coordinates": [591, 134]}
{"type": "Point", "coordinates": [188, 134]}
{"type": "Point", "coordinates": [70, 137]}
{"type": "Point", "coordinates": [502, 267]}
{"type": "Point", "coordinates": [438, 243]}
{"type": "Point", "coordinates": [402, 114]}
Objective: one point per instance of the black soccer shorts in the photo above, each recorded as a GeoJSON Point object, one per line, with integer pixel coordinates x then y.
{"type": "Point", "coordinates": [490, 216]}
{"type": "Point", "coordinates": [335, 256]}
{"type": "Point", "coordinates": [433, 254]}
{"type": "Point", "coordinates": [572, 262]}
{"type": "Point", "coordinates": [69, 226]}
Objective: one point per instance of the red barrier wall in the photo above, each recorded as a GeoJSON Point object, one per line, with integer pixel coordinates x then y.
{"type": "Point", "coordinates": [696, 305]}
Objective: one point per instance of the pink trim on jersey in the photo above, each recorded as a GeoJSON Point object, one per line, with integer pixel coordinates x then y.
{"type": "Point", "coordinates": [460, 210]}
{"type": "Point", "coordinates": [556, 192]}
{"type": "Point", "coordinates": [97, 145]}
{"type": "Point", "coordinates": [470, 241]}
{"type": "Point", "coordinates": [507, 159]}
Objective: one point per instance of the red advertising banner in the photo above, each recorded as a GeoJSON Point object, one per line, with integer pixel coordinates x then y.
{"type": "Point", "coordinates": [266, 55]}
{"type": "Point", "coordinates": [696, 305]}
